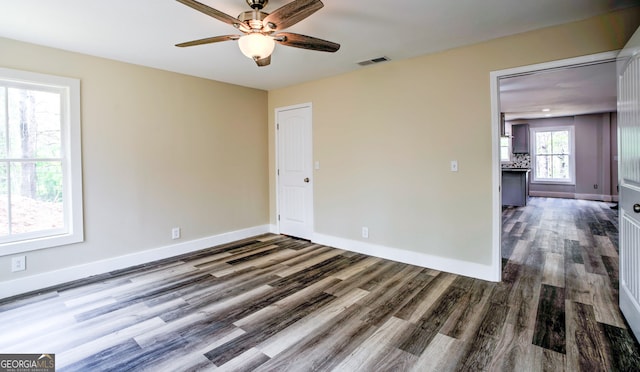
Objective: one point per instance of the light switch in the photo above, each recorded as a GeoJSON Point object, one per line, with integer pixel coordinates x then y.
{"type": "Point", "coordinates": [454, 165]}
{"type": "Point", "coordinates": [317, 165]}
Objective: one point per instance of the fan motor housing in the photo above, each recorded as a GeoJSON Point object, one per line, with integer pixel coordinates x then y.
{"type": "Point", "coordinates": [257, 4]}
{"type": "Point", "coordinates": [252, 15]}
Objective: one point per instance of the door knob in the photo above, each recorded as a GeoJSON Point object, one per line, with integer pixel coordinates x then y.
{"type": "Point", "coordinates": [307, 181]}
{"type": "Point", "coordinates": [636, 208]}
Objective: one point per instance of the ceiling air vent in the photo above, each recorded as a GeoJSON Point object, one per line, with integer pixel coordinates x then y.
{"type": "Point", "coordinates": [373, 61]}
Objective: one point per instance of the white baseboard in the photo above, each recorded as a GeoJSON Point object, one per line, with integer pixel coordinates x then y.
{"type": "Point", "coordinates": [597, 197]}
{"type": "Point", "coordinates": [52, 278]}
{"type": "Point", "coordinates": [48, 279]}
{"type": "Point", "coordinates": [470, 269]}
{"type": "Point", "coordinates": [571, 195]}
{"type": "Point", "coordinates": [552, 194]}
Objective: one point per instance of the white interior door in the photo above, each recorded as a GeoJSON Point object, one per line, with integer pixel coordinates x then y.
{"type": "Point", "coordinates": [629, 174]}
{"type": "Point", "coordinates": [295, 181]}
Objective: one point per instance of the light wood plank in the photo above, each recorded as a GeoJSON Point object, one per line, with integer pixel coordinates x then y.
{"type": "Point", "coordinates": [372, 349]}
{"type": "Point", "coordinates": [442, 354]}
{"type": "Point", "coordinates": [285, 339]}
{"type": "Point", "coordinates": [553, 272]}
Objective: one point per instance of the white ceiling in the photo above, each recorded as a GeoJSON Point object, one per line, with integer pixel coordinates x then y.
{"type": "Point", "coordinates": [564, 92]}
{"type": "Point", "coordinates": [144, 32]}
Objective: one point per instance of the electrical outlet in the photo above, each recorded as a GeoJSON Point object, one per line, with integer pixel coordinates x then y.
{"type": "Point", "coordinates": [175, 233]}
{"type": "Point", "coordinates": [365, 232]}
{"type": "Point", "coordinates": [18, 263]}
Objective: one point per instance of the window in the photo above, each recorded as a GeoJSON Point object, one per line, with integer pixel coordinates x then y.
{"type": "Point", "coordinates": [553, 158]}
{"type": "Point", "coordinates": [505, 149]}
{"type": "Point", "coordinates": [40, 165]}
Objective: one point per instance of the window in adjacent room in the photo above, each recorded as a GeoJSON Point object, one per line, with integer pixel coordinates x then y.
{"type": "Point", "coordinates": [553, 156]}
{"type": "Point", "coordinates": [505, 149]}
{"type": "Point", "coordinates": [40, 165]}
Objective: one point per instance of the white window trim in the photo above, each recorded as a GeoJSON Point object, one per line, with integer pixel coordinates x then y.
{"type": "Point", "coordinates": [71, 147]}
{"type": "Point", "coordinates": [572, 156]}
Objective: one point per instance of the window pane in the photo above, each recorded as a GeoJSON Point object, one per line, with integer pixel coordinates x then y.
{"type": "Point", "coordinates": [36, 196]}
{"type": "Point", "coordinates": [561, 167]}
{"type": "Point", "coordinates": [543, 166]}
{"type": "Point", "coordinates": [4, 202]}
{"type": "Point", "coordinates": [543, 142]}
{"type": "Point", "coordinates": [561, 142]}
{"type": "Point", "coordinates": [34, 124]}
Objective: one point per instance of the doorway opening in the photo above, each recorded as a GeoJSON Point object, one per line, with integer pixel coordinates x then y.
{"type": "Point", "coordinates": [497, 131]}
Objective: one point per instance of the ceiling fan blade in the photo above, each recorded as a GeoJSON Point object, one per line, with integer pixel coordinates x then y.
{"type": "Point", "coordinates": [224, 17]}
{"type": "Point", "coordinates": [266, 61]}
{"type": "Point", "coordinates": [306, 42]}
{"type": "Point", "coordinates": [208, 40]}
{"type": "Point", "coordinates": [290, 14]}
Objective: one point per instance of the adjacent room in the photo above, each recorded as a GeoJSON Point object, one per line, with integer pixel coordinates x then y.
{"type": "Point", "coordinates": [319, 185]}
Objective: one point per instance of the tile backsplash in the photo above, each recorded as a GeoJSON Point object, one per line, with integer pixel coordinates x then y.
{"type": "Point", "coordinates": [519, 161]}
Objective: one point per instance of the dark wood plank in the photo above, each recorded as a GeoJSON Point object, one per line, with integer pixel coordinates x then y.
{"type": "Point", "coordinates": [622, 348]}
{"type": "Point", "coordinates": [431, 285]}
{"type": "Point", "coordinates": [470, 308]}
{"type": "Point", "coordinates": [387, 302]}
{"type": "Point", "coordinates": [429, 325]}
{"type": "Point", "coordinates": [611, 264]}
{"type": "Point", "coordinates": [550, 329]}
{"type": "Point", "coordinates": [480, 349]}
{"type": "Point", "coordinates": [591, 347]}
{"type": "Point", "coordinates": [573, 251]}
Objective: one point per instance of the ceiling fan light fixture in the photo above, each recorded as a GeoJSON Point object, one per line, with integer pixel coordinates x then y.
{"type": "Point", "coordinates": [256, 46]}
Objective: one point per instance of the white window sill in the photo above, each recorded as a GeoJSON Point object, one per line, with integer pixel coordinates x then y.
{"type": "Point", "coordinates": [23, 246]}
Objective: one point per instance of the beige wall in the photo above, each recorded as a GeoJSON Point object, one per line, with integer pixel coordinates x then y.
{"type": "Point", "coordinates": [385, 135]}
{"type": "Point", "coordinates": [159, 150]}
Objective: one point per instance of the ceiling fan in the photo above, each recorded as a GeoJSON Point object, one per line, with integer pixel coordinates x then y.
{"type": "Point", "coordinates": [261, 30]}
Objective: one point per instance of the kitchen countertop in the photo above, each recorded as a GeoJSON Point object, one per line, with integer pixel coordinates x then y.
{"type": "Point", "coordinates": [516, 170]}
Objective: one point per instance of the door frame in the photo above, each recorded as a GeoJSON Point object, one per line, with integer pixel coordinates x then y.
{"type": "Point", "coordinates": [494, 77]}
{"type": "Point", "coordinates": [277, 110]}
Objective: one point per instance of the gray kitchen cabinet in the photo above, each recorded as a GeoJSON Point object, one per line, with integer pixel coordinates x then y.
{"type": "Point", "coordinates": [520, 133]}
{"type": "Point", "coordinates": [515, 186]}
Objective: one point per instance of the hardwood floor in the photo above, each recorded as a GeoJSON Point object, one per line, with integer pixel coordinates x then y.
{"type": "Point", "coordinates": [275, 303]}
